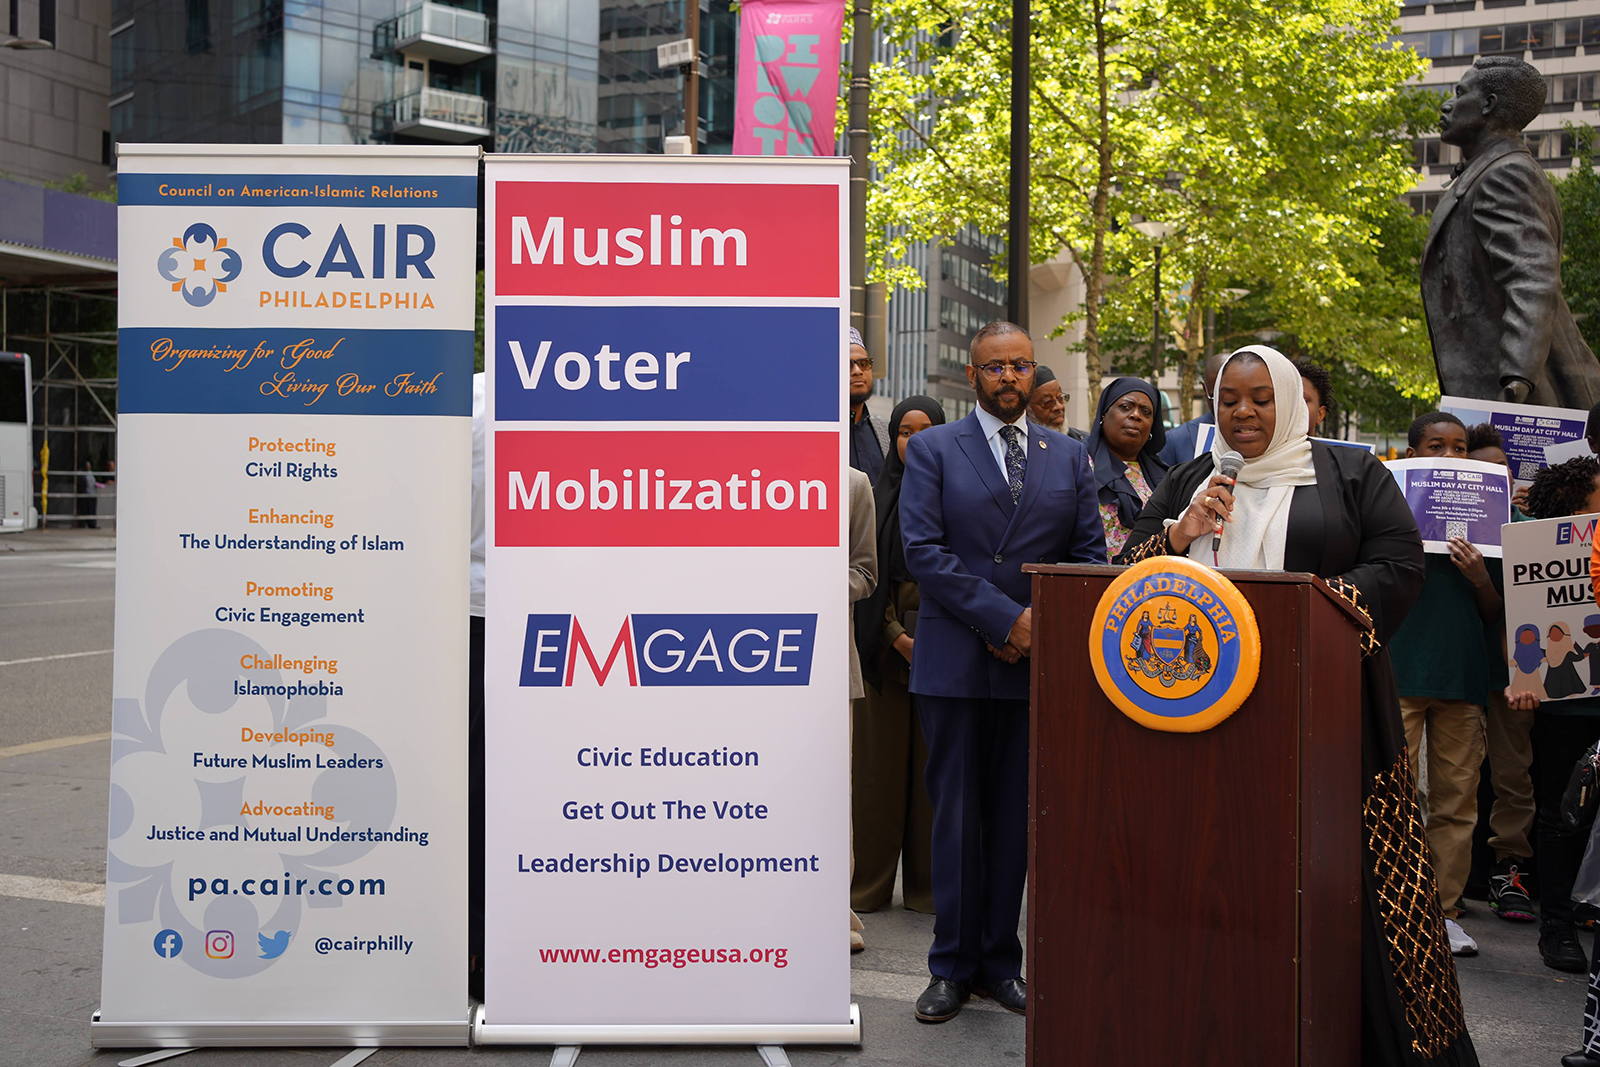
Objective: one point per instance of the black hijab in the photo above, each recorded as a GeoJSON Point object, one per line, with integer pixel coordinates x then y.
{"type": "Point", "coordinates": [891, 548]}
{"type": "Point", "coordinates": [1109, 471]}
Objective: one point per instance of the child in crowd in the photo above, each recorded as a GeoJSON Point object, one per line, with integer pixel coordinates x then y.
{"type": "Point", "coordinates": [1508, 738]}
{"type": "Point", "coordinates": [1443, 679]}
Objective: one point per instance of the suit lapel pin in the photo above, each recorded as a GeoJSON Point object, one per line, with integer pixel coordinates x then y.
{"type": "Point", "coordinates": [1043, 445]}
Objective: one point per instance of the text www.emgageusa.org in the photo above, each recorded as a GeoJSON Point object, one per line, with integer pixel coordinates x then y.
{"type": "Point", "coordinates": [671, 957]}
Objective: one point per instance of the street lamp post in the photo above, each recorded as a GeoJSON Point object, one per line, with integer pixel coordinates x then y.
{"type": "Point", "coordinates": [1157, 232]}
{"type": "Point", "coordinates": [1017, 258]}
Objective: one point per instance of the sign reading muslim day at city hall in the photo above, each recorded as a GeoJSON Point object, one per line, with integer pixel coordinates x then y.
{"type": "Point", "coordinates": [287, 853]}
{"type": "Point", "coordinates": [667, 703]}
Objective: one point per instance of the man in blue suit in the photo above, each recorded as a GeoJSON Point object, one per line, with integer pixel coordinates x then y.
{"type": "Point", "coordinates": [980, 498]}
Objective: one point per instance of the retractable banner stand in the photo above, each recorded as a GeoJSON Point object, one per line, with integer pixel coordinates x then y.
{"type": "Point", "coordinates": [287, 841]}
{"type": "Point", "coordinates": [667, 699]}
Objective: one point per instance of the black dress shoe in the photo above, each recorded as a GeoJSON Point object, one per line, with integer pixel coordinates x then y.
{"type": "Point", "coordinates": [1012, 995]}
{"type": "Point", "coordinates": [1561, 951]}
{"type": "Point", "coordinates": [1579, 1059]}
{"type": "Point", "coordinates": [942, 1000]}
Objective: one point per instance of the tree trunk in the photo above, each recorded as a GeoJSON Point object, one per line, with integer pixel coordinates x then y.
{"type": "Point", "coordinates": [1094, 278]}
{"type": "Point", "coordinates": [1194, 346]}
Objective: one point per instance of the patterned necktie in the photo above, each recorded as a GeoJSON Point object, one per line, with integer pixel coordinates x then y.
{"type": "Point", "coordinates": [1016, 461]}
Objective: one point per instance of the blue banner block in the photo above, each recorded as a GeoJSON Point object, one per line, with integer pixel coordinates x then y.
{"type": "Point", "coordinates": [693, 364]}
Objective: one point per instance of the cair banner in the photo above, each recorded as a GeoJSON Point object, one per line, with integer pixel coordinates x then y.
{"type": "Point", "coordinates": [1552, 625]}
{"type": "Point", "coordinates": [787, 84]}
{"type": "Point", "coordinates": [666, 688]}
{"type": "Point", "coordinates": [287, 843]}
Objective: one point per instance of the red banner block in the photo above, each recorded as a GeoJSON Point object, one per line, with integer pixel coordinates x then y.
{"type": "Point", "coordinates": [645, 239]}
{"type": "Point", "coordinates": [574, 489]}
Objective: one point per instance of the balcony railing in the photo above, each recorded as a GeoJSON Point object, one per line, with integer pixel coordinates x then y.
{"type": "Point", "coordinates": [436, 31]}
{"type": "Point", "coordinates": [434, 114]}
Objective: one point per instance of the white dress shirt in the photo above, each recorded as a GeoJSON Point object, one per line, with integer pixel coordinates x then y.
{"type": "Point", "coordinates": [997, 444]}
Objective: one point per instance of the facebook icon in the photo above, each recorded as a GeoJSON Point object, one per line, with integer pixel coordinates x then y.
{"type": "Point", "coordinates": [168, 944]}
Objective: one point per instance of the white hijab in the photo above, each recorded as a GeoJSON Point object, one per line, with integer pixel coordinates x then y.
{"type": "Point", "coordinates": [1254, 539]}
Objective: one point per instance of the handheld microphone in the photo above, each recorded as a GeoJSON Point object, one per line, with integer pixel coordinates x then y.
{"type": "Point", "coordinates": [1232, 463]}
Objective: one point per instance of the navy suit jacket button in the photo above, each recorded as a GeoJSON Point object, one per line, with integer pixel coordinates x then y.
{"type": "Point", "coordinates": [998, 558]}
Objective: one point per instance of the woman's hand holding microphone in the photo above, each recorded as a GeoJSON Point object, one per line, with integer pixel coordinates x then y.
{"type": "Point", "coordinates": [1205, 514]}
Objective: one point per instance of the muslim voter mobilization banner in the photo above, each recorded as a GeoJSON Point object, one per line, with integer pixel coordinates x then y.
{"type": "Point", "coordinates": [1552, 625]}
{"type": "Point", "coordinates": [667, 699]}
{"type": "Point", "coordinates": [287, 854]}
{"type": "Point", "coordinates": [1534, 437]}
{"type": "Point", "coordinates": [1456, 498]}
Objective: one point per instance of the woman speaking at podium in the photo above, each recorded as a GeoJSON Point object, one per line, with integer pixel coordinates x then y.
{"type": "Point", "coordinates": [1300, 505]}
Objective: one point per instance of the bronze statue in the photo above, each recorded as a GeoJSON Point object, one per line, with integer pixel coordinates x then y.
{"type": "Point", "coordinates": [1491, 269]}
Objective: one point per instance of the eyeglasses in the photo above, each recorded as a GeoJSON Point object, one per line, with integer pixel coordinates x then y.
{"type": "Point", "coordinates": [1022, 368]}
{"type": "Point", "coordinates": [861, 364]}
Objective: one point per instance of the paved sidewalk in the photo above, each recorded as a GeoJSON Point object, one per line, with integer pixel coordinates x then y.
{"type": "Point", "coordinates": [59, 539]}
{"type": "Point", "coordinates": [55, 631]}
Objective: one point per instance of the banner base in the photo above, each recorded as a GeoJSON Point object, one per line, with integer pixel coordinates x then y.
{"type": "Point", "coordinates": [444, 1032]}
{"type": "Point", "coordinates": [487, 1033]}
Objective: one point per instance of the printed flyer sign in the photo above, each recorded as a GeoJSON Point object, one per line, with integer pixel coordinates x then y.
{"type": "Point", "coordinates": [287, 853]}
{"type": "Point", "coordinates": [1456, 498]}
{"type": "Point", "coordinates": [1552, 624]}
{"type": "Point", "coordinates": [667, 698]}
{"type": "Point", "coordinates": [1208, 433]}
{"type": "Point", "coordinates": [1526, 429]}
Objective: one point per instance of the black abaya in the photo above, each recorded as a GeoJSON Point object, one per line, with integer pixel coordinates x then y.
{"type": "Point", "coordinates": [1354, 529]}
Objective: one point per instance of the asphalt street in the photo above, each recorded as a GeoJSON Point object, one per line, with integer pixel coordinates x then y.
{"type": "Point", "coordinates": [55, 693]}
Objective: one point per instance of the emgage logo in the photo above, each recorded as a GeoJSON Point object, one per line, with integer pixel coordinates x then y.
{"type": "Point", "coordinates": [199, 264]}
{"type": "Point", "coordinates": [1575, 533]}
{"type": "Point", "coordinates": [657, 650]}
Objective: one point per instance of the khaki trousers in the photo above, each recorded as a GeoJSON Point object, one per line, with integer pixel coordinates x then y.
{"type": "Point", "coordinates": [1455, 732]}
{"type": "Point", "coordinates": [1510, 742]}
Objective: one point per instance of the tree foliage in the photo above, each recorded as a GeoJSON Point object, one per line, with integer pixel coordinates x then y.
{"type": "Point", "coordinates": [1272, 139]}
{"type": "Point", "coordinates": [1580, 239]}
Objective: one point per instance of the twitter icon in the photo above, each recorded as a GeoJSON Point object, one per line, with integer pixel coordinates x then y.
{"type": "Point", "coordinates": [272, 947]}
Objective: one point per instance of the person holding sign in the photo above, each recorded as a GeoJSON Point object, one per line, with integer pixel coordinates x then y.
{"type": "Point", "coordinates": [1507, 739]}
{"type": "Point", "coordinates": [1302, 505]}
{"type": "Point", "coordinates": [1443, 679]}
{"type": "Point", "coordinates": [1562, 729]}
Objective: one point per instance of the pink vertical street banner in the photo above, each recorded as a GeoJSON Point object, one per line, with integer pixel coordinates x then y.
{"type": "Point", "coordinates": [788, 77]}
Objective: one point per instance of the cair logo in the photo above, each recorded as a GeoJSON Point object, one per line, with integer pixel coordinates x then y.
{"type": "Point", "coordinates": [199, 264]}
{"type": "Point", "coordinates": [1176, 647]}
{"type": "Point", "coordinates": [681, 650]}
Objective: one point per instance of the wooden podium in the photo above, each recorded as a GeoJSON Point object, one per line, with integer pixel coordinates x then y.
{"type": "Point", "coordinates": [1195, 898]}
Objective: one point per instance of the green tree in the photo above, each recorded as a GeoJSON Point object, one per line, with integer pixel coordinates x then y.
{"type": "Point", "coordinates": [1269, 138]}
{"type": "Point", "coordinates": [1579, 192]}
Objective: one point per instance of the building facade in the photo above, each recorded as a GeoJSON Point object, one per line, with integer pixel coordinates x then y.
{"type": "Point", "coordinates": [518, 79]}
{"type": "Point", "coordinates": [1561, 39]}
{"type": "Point", "coordinates": [641, 102]}
{"type": "Point", "coordinates": [928, 330]}
{"type": "Point", "coordinates": [55, 58]}
{"type": "Point", "coordinates": [551, 76]}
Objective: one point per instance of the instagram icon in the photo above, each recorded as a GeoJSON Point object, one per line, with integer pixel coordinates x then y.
{"type": "Point", "coordinates": [219, 944]}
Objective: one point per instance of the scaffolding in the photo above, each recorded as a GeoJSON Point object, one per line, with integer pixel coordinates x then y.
{"type": "Point", "coordinates": [69, 332]}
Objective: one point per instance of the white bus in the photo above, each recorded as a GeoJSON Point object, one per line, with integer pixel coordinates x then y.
{"type": "Point", "coordinates": [16, 442]}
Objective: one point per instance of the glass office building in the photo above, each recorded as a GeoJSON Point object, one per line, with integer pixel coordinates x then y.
{"type": "Point", "coordinates": [515, 79]}
{"type": "Point", "coordinates": [642, 103]}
